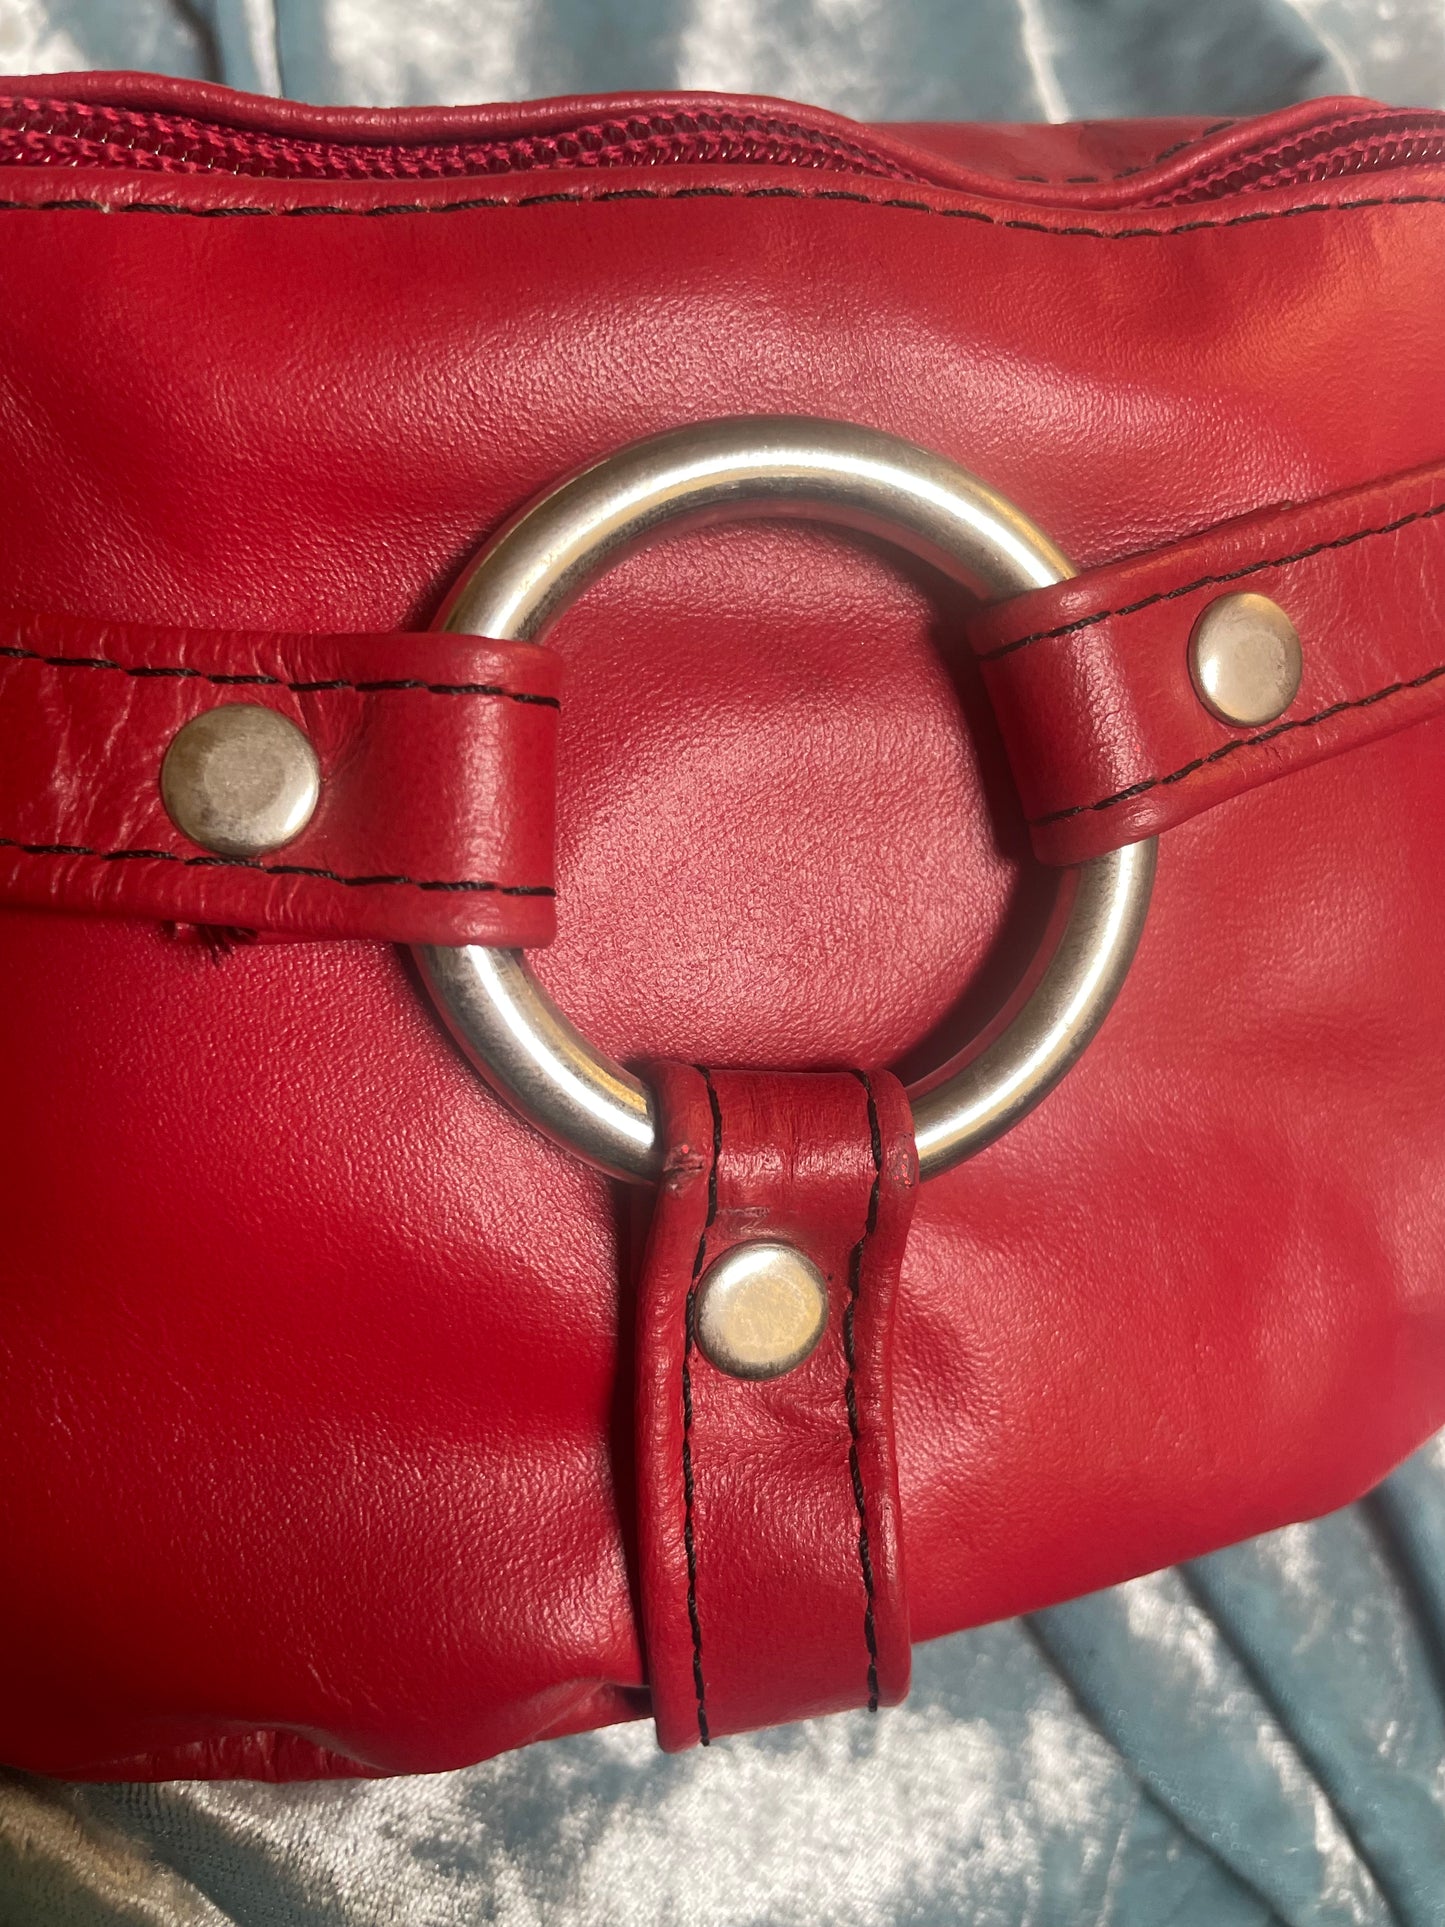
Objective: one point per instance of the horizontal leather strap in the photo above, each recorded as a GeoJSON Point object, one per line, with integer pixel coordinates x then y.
{"type": "Point", "coordinates": [437, 756]}
{"type": "Point", "coordinates": [1090, 679]}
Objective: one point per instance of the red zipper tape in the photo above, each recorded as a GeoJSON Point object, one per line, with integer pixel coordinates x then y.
{"type": "Point", "coordinates": [67, 133]}
{"type": "Point", "coordinates": [38, 132]}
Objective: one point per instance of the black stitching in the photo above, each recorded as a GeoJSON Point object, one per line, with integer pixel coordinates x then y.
{"type": "Point", "coordinates": [275, 869]}
{"type": "Point", "coordinates": [1141, 167]}
{"type": "Point", "coordinates": [734, 193]}
{"type": "Point", "coordinates": [850, 1393]}
{"type": "Point", "coordinates": [1210, 581]}
{"type": "Point", "coordinates": [1244, 742]}
{"type": "Point", "coordinates": [1168, 153]}
{"type": "Point", "coordinates": [689, 1340]}
{"type": "Point", "coordinates": [143, 670]}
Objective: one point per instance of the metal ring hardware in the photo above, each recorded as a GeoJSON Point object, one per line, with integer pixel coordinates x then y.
{"type": "Point", "coordinates": [851, 477]}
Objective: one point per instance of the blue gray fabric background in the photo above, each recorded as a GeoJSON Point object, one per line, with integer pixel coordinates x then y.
{"type": "Point", "coordinates": [1255, 1740]}
{"type": "Point", "coordinates": [877, 59]}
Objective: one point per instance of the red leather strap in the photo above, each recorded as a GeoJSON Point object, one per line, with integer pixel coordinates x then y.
{"type": "Point", "coordinates": [1090, 680]}
{"type": "Point", "coordinates": [437, 757]}
{"type": "Point", "coordinates": [770, 1545]}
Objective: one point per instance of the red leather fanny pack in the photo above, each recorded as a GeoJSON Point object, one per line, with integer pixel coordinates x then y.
{"type": "Point", "coordinates": [922, 643]}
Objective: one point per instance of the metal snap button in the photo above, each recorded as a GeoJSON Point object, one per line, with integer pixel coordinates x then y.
{"type": "Point", "coordinates": [1245, 659]}
{"type": "Point", "coordinates": [760, 1310]}
{"type": "Point", "coordinates": [240, 779]}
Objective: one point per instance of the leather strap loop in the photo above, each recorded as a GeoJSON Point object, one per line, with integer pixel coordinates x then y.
{"type": "Point", "coordinates": [770, 1544]}
{"type": "Point", "coordinates": [437, 757]}
{"type": "Point", "coordinates": [1090, 679]}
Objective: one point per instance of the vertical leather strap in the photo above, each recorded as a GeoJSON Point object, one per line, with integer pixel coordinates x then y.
{"type": "Point", "coordinates": [769, 1534]}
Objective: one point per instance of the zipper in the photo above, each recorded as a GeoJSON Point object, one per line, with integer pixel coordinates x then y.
{"type": "Point", "coordinates": [39, 132]}
{"type": "Point", "coordinates": [1376, 143]}
{"type": "Point", "coordinates": [68, 133]}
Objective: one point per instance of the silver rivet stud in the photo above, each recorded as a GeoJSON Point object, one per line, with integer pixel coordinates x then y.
{"type": "Point", "coordinates": [240, 779]}
{"type": "Point", "coordinates": [1245, 659]}
{"type": "Point", "coordinates": [761, 1309]}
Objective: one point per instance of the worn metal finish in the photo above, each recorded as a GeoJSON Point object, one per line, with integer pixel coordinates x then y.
{"type": "Point", "coordinates": [240, 779]}
{"type": "Point", "coordinates": [822, 471]}
{"type": "Point", "coordinates": [761, 1309]}
{"type": "Point", "coordinates": [1245, 660]}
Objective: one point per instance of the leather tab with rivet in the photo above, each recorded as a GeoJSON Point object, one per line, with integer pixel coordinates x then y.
{"type": "Point", "coordinates": [1323, 619]}
{"type": "Point", "coordinates": [770, 1548]}
{"type": "Point", "coordinates": [396, 787]}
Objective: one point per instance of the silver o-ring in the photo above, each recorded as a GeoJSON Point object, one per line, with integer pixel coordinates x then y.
{"type": "Point", "coordinates": [848, 476]}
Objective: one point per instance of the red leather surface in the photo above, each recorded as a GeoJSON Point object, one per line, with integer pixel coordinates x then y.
{"type": "Point", "coordinates": [312, 1421]}
{"type": "Point", "coordinates": [1090, 681]}
{"type": "Point", "coordinates": [438, 761]}
{"type": "Point", "coordinates": [769, 1543]}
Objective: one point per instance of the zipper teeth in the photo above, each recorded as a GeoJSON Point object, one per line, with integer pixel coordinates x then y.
{"type": "Point", "coordinates": [37, 132]}
{"type": "Point", "coordinates": [1364, 144]}
{"type": "Point", "coordinates": [61, 133]}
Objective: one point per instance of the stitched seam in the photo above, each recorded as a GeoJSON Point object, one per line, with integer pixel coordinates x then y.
{"type": "Point", "coordinates": [1127, 173]}
{"type": "Point", "coordinates": [380, 686]}
{"type": "Point", "coordinates": [275, 869]}
{"type": "Point", "coordinates": [1168, 153]}
{"type": "Point", "coordinates": [731, 193]}
{"type": "Point", "coordinates": [689, 1340]}
{"type": "Point", "coordinates": [1210, 581]}
{"type": "Point", "coordinates": [1243, 742]}
{"type": "Point", "coordinates": [850, 1392]}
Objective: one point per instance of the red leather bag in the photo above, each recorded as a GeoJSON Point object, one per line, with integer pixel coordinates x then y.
{"type": "Point", "coordinates": [350, 1424]}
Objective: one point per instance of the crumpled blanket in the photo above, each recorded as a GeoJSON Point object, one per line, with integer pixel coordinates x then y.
{"type": "Point", "coordinates": [875, 59]}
